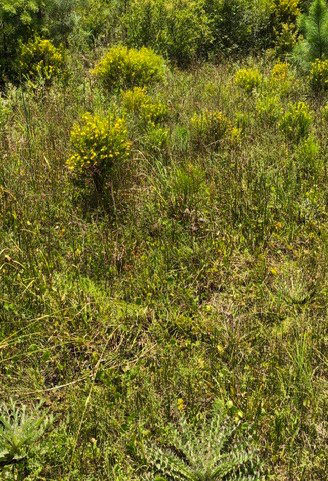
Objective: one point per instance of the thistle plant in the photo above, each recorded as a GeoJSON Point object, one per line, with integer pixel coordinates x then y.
{"type": "Point", "coordinates": [209, 451]}
{"type": "Point", "coordinates": [19, 430]}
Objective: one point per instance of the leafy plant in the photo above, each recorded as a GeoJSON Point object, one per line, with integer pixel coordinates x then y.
{"type": "Point", "coordinates": [284, 15]}
{"type": "Point", "coordinates": [269, 108]}
{"type": "Point", "coordinates": [213, 450]}
{"type": "Point", "coordinates": [125, 68]}
{"type": "Point", "coordinates": [248, 79]}
{"type": "Point", "coordinates": [138, 102]}
{"type": "Point", "coordinates": [98, 145]}
{"type": "Point", "coordinates": [19, 430]}
{"type": "Point", "coordinates": [22, 20]}
{"type": "Point", "coordinates": [319, 75]}
{"type": "Point", "coordinates": [179, 29]}
{"type": "Point", "coordinates": [39, 58]}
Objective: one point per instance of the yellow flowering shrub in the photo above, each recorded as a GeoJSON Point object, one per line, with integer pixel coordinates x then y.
{"type": "Point", "coordinates": [280, 71]}
{"type": "Point", "coordinates": [138, 102]}
{"type": "Point", "coordinates": [125, 68]}
{"type": "Point", "coordinates": [319, 75]}
{"type": "Point", "coordinates": [97, 144]}
{"type": "Point", "coordinates": [284, 15]}
{"type": "Point", "coordinates": [248, 79]}
{"type": "Point", "coordinates": [40, 58]}
{"type": "Point", "coordinates": [208, 128]}
{"type": "Point", "coordinates": [296, 121]}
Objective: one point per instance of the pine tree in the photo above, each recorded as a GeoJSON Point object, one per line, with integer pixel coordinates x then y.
{"type": "Point", "coordinates": [314, 27]}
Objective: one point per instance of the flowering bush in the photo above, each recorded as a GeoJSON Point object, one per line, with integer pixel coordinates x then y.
{"type": "Point", "coordinates": [208, 127]}
{"type": "Point", "coordinates": [40, 58]}
{"type": "Point", "coordinates": [296, 121]}
{"type": "Point", "coordinates": [125, 68]}
{"type": "Point", "coordinates": [138, 102]}
{"type": "Point", "coordinates": [319, 75]}
{"type": "Point", "coordinates": [248, 79]}
{"type": "Point", "coordinates": [98, 144]}
{"type": "Point", "coordinates": [280, 71]}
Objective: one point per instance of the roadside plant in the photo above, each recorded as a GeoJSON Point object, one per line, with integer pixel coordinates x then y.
{"type": "Point", "coordinates": [98, 145]}
{"type": "Point", "coordinates": [20, 429]}
{"type": "Point", "coordinates": [124, 68]}
{"type": "Point", "coordinates": [211, 450]}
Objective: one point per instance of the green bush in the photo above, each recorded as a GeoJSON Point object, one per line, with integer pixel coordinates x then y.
{"type": "Point", "coordinates": [122, 68]}
{"type": "Point", "coordinates": [98, 145]}
{"type": "Point", "coordinates": [269, 108]}
{"type": "Point", "coordinates": [239, 26]}
{"type": "Point", "coordinates": [319, 75]}
{"type": "Point", "coordinates": [296, 122]}
{"type": "Point", "coordinates": [40, 58]}
{"type": "Point", "coordinates": [138, 102]}
{"type": "Point", "coordinates": [284, 15]}
{"type": "Point", "coordinates": [248, 79]}
{"type": "Point", "coordinates": [22, 20]}
{"type": "Point", "coordinates": [179, 29]}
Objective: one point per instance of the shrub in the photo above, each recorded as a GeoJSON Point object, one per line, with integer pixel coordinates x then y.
{"type": "Point", "coordinates": [248, 79]}
{"type": "Point", "coordinates": [208, 128]}
{"type": "Point", "coordinates": [319, 75]}
{"type": "Point", "coordinates": [122, 68]}
{"type": "Point", "coordinates": [284, 14]}
{"type": "Point", "coordinates": [40, 58]}
{"type": "Point", "coordinates": [296, 121]}
{"type": "Point", "coordinates": [21, 20]}
{"type": "Point", "coordinates": [98, 145]}
{"type": "Point", "coordinates": [280, 71]}
{"type": "Point", "coordinates": [269, 108]}
{"type": "Point", "coordinates": [138, 102]}
{"type": "Point", "coordinates": [238, 25]}
{"type": "Point", "coordinates": [179, 29]}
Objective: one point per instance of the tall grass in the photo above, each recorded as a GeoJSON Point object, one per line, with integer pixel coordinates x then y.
{"type": "Point", "coordinates": [203, 279]}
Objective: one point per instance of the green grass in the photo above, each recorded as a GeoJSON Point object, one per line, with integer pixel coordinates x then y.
{"type": "Point", "coordinates": [200, 276]}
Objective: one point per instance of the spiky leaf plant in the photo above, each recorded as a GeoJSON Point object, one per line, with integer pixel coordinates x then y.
{"type": "Point", "coordinates": [19, 430]}
{"type": "Point", "coordinates": [208, 451]}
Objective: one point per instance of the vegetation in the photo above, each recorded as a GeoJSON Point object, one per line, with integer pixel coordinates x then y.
{"type": "Point", "coordinates": [163, 240]}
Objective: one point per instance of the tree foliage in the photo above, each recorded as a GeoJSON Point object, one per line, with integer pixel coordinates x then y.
{"type": "Point", "coordinates": [314, 26]}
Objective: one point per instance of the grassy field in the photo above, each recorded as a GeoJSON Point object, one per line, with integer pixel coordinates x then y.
{"type": "Point", "coordinates": [198, 277]}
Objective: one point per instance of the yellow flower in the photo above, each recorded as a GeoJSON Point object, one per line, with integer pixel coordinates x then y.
{"type": "Point", "coordinates": [181, 404]}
